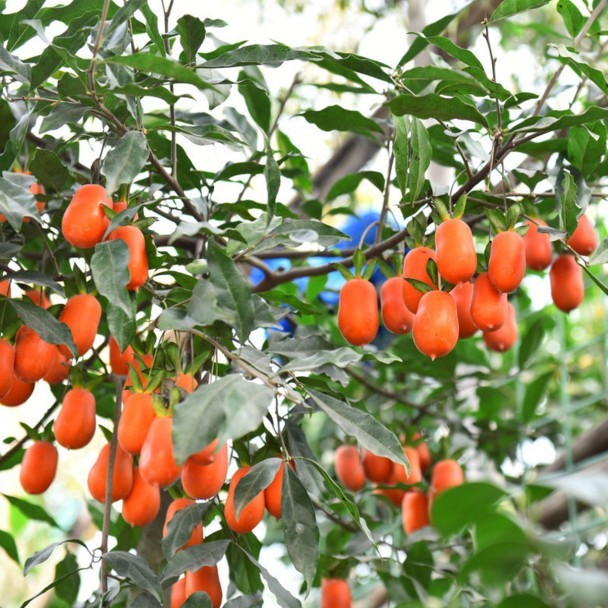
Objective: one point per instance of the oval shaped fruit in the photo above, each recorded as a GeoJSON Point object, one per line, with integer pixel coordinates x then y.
{"type": "Point", "coordinates": [446, 474]}
{"type": "Point", "coordinates": [507, 265]}
{"type": "Point", "coordinates": [197, 537]}
{"type": "Point", "coordinates": [377, 468]}
{"type": "Point", "coordinates": [273, 494]}
{"type": "Point", "coordinates": [33, 356]}
{"type": "Point", "coordinates": [584, 238]}
{"type": "Point", "coordinates": [358, 317]}
{"type": "Point", "coordinates": [455, 251]}
{"type": "Point", "coordinates": [187, 382]}
{"type": "Point", "coordinates": [119, 362]}
{"type": "Point", "coordinates": [37, 189]}
{"type": "Point", "coordinates": [207, 455]}
{"type": "Point", "coordinates": [206, 579]}
{"type": "Point", "coordinates": [537, 246]}
{"type": "Point", "coordinates": [135, 422]}
{"type": "Point", "coordinates": [396, 316]}
{"type": "Point", "coordinates": [435, 328]}
{"type": "Point", "coordinates": [122, 477]}
{"type": "Point", "coordinates": [205, 481]}
{"type": "Point", "coordinates": [399, 473]}
{"type": "Point", "coordinates": [84, 222]}
{"type": "Point", "coordinates": [251, 514]}
{"type": "Point", "coordinates": [424, 454]}
{"type": "Point", "coordinates": [414, 511]}
{"type": "Point", "coordinates": [60, 370]}
{"type": "Point", "coordinates": [38, 467]}
{"type": "Point", "coordinates": [567, 285]}
{"type": "Point", "coordinates": [463, 295]}
{"type": "Point", "coordinates": [81, 314]}
{"type": "Point", "coordinates": [335, 593]}
{"type": "Point", "coordinates": [349, 469]}
{"type": "Point", "coordinates": [7, 360]}
{"type": "Point", "coordinates": [5, 288]}
{"type": "Point", "coordinates": [142, 504]}
{"type": "Point", "coordinates": [38, 297]}
{"type": "Point", "coordinates": [75, 424]}
{"type": "Point", "coordinates": [504, 338]}
{"type": "Point", "coordinates": [138, 260]}
{"type": "Point", "coordinates": [178, 593]}
{"type": "Point", "coordinates": [488, 306]}
{"type": "Point", "coordinates": [157, 461]}
{"type": "Point", "coordinates": [18, 393]}
{"type": "Point", "coordinates": [414, 267]}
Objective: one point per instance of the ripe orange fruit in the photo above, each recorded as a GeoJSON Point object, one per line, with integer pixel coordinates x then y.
{"type": "Point", "coordinates": [206, 579]}
{"type": "Point", "coordinates": [205, 481]}
{"type": "Point", "coordinates": [488, 306]}
{"type": "Point", "coordinates": [349, 469]}
{"type": "Point", "coordinates": [5, 288]}
{"type": "Point", "coordinates": [435, 328]}
{"type": "Point", "coordinates": [75, 424]}
{"type": "Point", "coordinates": [157, 461]}
{"type": "Point", "coordinates": [414, 267]}
{"type": "Point", "coordinates": [178, 593]}
{"type": "Point", "coordinates": [33, 356]}
{"type": "Point", "coordinates": [505, 337]}
{"type": "Point", "coordinates": [138, 259]}
{"type": "Point", "coordinates": [135, 422]}
{"type": "Point", "coordinates": [507, 265]}
{"type": "Point", "coordinates": [397, 317]}
{"type": "Point", "coordinates": [119, 362]}
{"type": "Point", "coordinates": [414, 511]}
{"type": "Point", "coordinates": [38, 467]}
{"type": "Point", "coordinates": [399, 474]}
{"type": "Point", "coordinates": [197, 537]}
{"type": "Point", "coordinates": [377, 468]}
{"type": "Point", "coordinates": [273, 494]}
{"type": "Point", "coordinates": [38, 297]}
{"type": "Point", "coordinates": [18, 393]}
{"type": "Point", "coordinates": [567, 286]}
{"type": "Point", "coordinates": [207, 455]}
{"type": "Point", "coordinates": [122, 477]}
{"type": "Point", "coordinates": [335, 593]}
{"type": "Point", "coordinates": [463, 294]}
{"type": "Point", "coordinates": [455, 251]}
{"type": "Point", "coordinates": [584, 239]}
{"type": "Point", "coordinates": [142, 504]}
{"type": "Point", "coordinates": [84, 222]}
{"type": "Point", "coordinates": [144, 377]}
{"type": "Point", "coordinates": [187, 382]}
{"type": "Point", "coordinates": [358, 317]}
{"type": "Point", "coordinates": [251, 514]}
{"type": "Point", "coordinates": [81, 314]}
{"type": "Point", "coordinates": [446, 474]}
{"type": "Point", "coordinates": [538, 246]}
{"type": "Point", "coordinates": [7, 360]}
{"type": "Point", "coordinates": [424, 455]}
{"type": "Point", "coordinates": [60, 370]}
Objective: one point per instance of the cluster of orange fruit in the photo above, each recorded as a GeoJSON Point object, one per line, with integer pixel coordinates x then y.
{"type": "Point", "coordinates": [353, 470]}
{"type": "Point", "coordinates": [438, 319]}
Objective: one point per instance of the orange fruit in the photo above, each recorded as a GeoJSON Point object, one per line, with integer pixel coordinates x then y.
{"type": "Point", "coordinates": [122, 477]}
{"type": "Point", "coordinates": [7, 360]}
{"type": "Point", "coordinates": [157, 460]}
{"type": "Point", "coordinates": [335, 593]}
{"type": "Point", "coordinates": [349, 469]}
{"type": "Point", "coordinates": [135, 422]}
{"type": "Point", "coordinates": [38, 467]}
{"type": "Point", "coordinates": [205, 481]}
{"type": "Point", "coordinates": [178, 593]}
{"type": "Point", "coordinates": [507, 265]}
{"type": "Point", "coordinates": [142, 504]}
{"type": "Point", "coordinates": [414, 511]}
{"type": "Point", "coordinates": [435, 328]}
{"type": "Point", "coordinates": [567, 286]}
{"type": "Point", "coordinates": [34, 357]}
{"type": "Point", "coordinates": [358, 317]}
{"type": "Point", "coordinates": [488, 306]}
{"type": "Point", "coordinates": [84, 222]}
{"type": "Point", "coordinates": [397, 317]}
{"type": "Point", "coordinates": [205, 579]}
{"type": "Point", "coordinates": [5, 288]}
{"type": "Point", "coordinates": [119, 362]}
{"type": "Point", "coordinates": [60, 370]}
{"type": "Point", "coordinates": [446, 474]}
{"type": "Point", "coordinates": [138, 259]}
{"type": "Point", "coordinates": [207, 455]}
{"type": "Point", "coordinates": [505, 337]}
{"type": "Point", "coordinates": [38, 297]}
{"type": "Point", "coordinates": [81, 314]}
{"type": "Point", "coordinates": [537, 245]}
{"type": "Point", "coordinates": [463, 294]}
{"type": "Point", "coordinates": [455, 251]}
{"type": "Point", "coordinates": [414, 267]}
{"type": "Point", "coordinates": [584, 239]}
{"type": "Point", "coordinates": [18, 393]}
{"type": "Point", "coordinates": [75, 424]}
{"type": "Point", "coordinates": [251, 514]}
{"type": "Point", "coordinates": [197, 537]}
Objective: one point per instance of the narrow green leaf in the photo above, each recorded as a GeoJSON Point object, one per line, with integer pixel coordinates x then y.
{"type": "Point", "coordinates": [530, 342]}
{"type": "Point", "coordinates": [193, 558]}
{"type": "Point", "coordinates": [257, 100]}
{"type": "Point", "coordinates": [435, 106]}
{"type": "Point", "coordinates": [255, 481]}
{"type": "Point", "coordinates": [566, 198]}
{"type": "Point", "coordinates": [199, 599]}
{"type": "Point", "coordinates": [110, 268]}
{"type": "Point", "coordinates": [401, 151]}
{"type": "Point", "coordinates": [124, 162]}
{"type": "Point", "coordinates": [192, 33]}
{"type": "Point", "coordinates": [137, 570]}
{"type": "Point", "coordinates": [497, 220]}
{"type": "Point", "coordinates": [420, 152]}
{"type": "Point", "coordinates": [272, 173]}
{"type": "Point", "coordinates": [180, 527]}
{"type": "Point", "coordinates": [337, 118]}
{"type": "Point", "coordinates": [507, 8]}
{"type": "Point", "coordinates": [7, 542]}
{"type": "Point", "coordinates": [420, 285]}
{"type": "Point", "coordinates": [67, 575]}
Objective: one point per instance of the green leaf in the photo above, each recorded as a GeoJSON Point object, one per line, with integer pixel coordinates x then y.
{"type": "Point", "coordinates": [110, 268]}
{"type": "Point", "coordinates": [49, 169]}
{"type": "Point", "coordinates": [372, 435]}
{"type": "Point", "coordinates": [122, 326]}
{"type": "Point", "coordinates": [584, 70]}
{"type": "Point", "coordinates": [464, 505]}
{"type": "Point", "coordinates": [420, 285]}
{"type": "Point", "coordinates": [556, 120]}
{"type": "Point", "coordinates": [227, 409]}
{"type": "Point", "coordinates": [567, 198]}
{"type": "Point", "coordinates": [599, 283]}
{"type": "Point", "coordinates": [351, 182]}
{"type": "Point", "coordinates": [497, 220]}
{"type": "Point", "coordinates": [447, 45]}
{"type": "Point", "coordinates": [435, 106]}
{"type": "Point", "coordinates": [36, 278]}
{"type": "Point", "coordinates": [246, 601]}
{"type": "Point", "coordinates": [193, 558]}
{"type": "Point", "coordinates": [232, 289]}
{"type": "Point", "coordinates": [522, 600]}
{"type": "Point", "coordinates": [257, 100]}
{"type": "Point", "coordinates": [507, 8]}
{"type": "Point", "coordinates": [420, 153]}
{"type": "Point", "coordinates": [180, 527]}
{"type": "Point", "coordinates": [531, 340]}
{"type": "Point", "coordinates": [301, 531]}
{"type": "Point", "coordinates": [336, 118]}
{"type": "Point", "coordinates": [586, 147]}
{"type": "Point", "coordinates": [124, 162]}
{"type": "Point", "coordinates": [66, 572]}
{"type": "Point", "coordinates": [401, 151]}
{"type": "Point", "coordinates": [198, 599]}
{"type": "Point", "coordinates": [13, 65]}
{"type": "Point", "coordinates": [7, 542]}
{"type": "Point", "coordinates": [44, 324]}
{"type": "Point", "coordinates": [257, 54]}
{"type": "Point", "coordinates": [192, 33]}
{"type": "Point", "coordinates": [16, 202]}
{"type": "Point", "coordinates": [500, 563]}
{"type": "Point", "coordinates": [257, 479]}
{"type": "Point", "coordinates": [272, 173]}
{"type": "Point", "coordinates": [137, 570]}
{"type": "Point", "coordinates": [535, 392]}
{"type": "Point", "coordinates": [41, 556]}
{"type": "Point", "coordinates": [573, 18]}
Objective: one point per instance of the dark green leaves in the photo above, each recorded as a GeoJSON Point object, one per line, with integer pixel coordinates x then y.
{"type": "Point", "coordinates": [7, 542]}
{"type": "Point", "coordinates": [272, 173]}
{"type": "Point", "coordinates": [123, 162]}
{"type": "Point", "coordinates": [336, 118]}
{"type": "Point", "coordinates": [191, 32]}
{"type": "Point", "coordinates": [257, 100]}
{"type": "Point", "coordinates": [227, 409]}
{"type": "Point", "coordinates": [180, 527]}
{"type": "Point", "coordinates": [16, 203]}
{"type": "Point", "coordinates": [567, 198]}
{"type": "Point", "coordinates": [351, 182]}
{"type": "Point", "coordinates": [49, 169]}
{"type": "Point", "coordinates": [193, 558]}
{"type": "Point", "coordinates": [435, 106]}
{"type": "Point", "coordinates": [109, 265]}
{"type": "Point", "coordinates": [372, 435]}
{"type": "Point", "coordinates": [257, 480]}
{"type": "Point", "coordinates": [507, 8]}
{"type": "Point", "coordinates": [256, 54]}
{"type": "Point", "coordinates": [413, 154]}
{"type": "Point", "coordinates": [301, 532]}
{"type": "Point", "coordinates": [135, 569]}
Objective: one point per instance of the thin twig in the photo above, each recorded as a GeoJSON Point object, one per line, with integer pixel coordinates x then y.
{"type": "Point", "coordinates": [386, 198]}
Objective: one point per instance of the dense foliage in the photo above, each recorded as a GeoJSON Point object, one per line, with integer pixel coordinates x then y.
{"type": "Point", "coordinates": [172, 268]}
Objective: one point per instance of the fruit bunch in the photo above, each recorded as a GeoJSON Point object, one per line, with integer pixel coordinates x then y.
{"type": "Point", "coordinates": [445, 294]}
